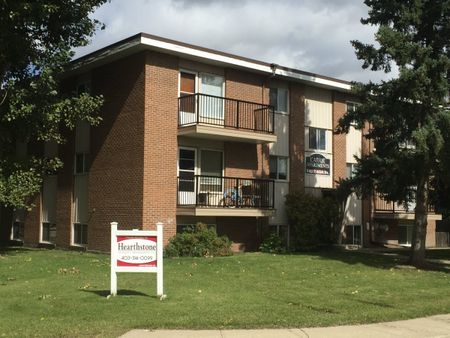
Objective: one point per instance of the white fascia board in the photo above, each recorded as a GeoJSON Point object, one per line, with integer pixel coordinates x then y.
{"type": "Point", "coordinates": [242, 63]}
{"type": "Point", "coordinates": [314, 79]}
{"type": "Point", "coordinates": [204, 54]}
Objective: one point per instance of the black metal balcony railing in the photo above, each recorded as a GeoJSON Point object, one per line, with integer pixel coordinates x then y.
{"type": "Point", "coordinates": [213, 191]}
{"type": "Point", "coordinates": [229, 113]}
{"type": "Point", "coordinates": [384, 206]}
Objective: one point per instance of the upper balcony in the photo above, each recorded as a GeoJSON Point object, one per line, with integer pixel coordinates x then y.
{"type": "Point", "coordinates": [392, 210]}
{"type": "Point", "coordinates": [215, 117]}
{"type": "Point", "coordinates": [201, 195]}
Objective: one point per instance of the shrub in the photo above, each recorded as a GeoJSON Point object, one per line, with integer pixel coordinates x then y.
{"type": "Point", "coordinates": [198, 241]}
{"type": "Point", "coordinates": [272, 244]}
{"type": "Point", "coordinates": [315, 221]}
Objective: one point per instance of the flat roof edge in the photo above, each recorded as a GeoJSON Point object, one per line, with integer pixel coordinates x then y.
{"type": "Point", "coordinates": [152, 41]}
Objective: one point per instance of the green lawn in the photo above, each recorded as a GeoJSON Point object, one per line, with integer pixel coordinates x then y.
{"type": "Point", "coordinates": [62, 293]}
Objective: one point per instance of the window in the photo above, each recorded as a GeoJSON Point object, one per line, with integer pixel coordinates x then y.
{"type": "Point", "coordinates": [211, 166]}
{"type": "Point", "coordinates": [351, 167]}
{"type": "Point", "coordinates": [48, 210]}
{"type": "Point", "coordinates": [278, 98]}
{"type": "Point", "coordinates": [278, 167]}
{"type": "Point", "coordinates": [18, 226]}
{"type": "Point", "coordinates": [187, 84]}
{"type": "Point", "coordinates": [353, 234]}
{"type": "Point", "coordinates": [48, 232]}
{"type": "Point", "coordinates": [351, 107]}
{"type": "Point", "coordinates": [186, 170]}
{"type": "Point", "coordinates": [18, 231]}
{"type": "Point", "coordinates": [317, 139]}
{"type": "Point", "coordinates": [81, 166]}
{"type": "Point", "coordinates": [405, 232]}
{"type": "Point", "coordinates": [81, 179]}
{"type": "Point", "coordinates": [80, 234]}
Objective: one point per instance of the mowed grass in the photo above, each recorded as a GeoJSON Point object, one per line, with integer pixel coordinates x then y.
{"type": "Point", "coordinates": [63, 293]}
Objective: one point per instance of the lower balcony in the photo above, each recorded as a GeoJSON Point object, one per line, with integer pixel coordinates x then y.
{"type": "Point", "coordinates": [391, 210]}
{"type": "Point", "coordinates": [201, 195]}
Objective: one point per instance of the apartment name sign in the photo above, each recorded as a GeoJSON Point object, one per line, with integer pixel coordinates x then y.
{"type": "Point", "coordinates": [136, 251]}
{"type": "Point", "coordinates": [318, 164]}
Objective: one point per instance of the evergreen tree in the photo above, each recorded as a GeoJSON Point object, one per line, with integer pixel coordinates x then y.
{"type": "Point", "coordinates": [408, 116]}
{"type": "Point", "coordinates": [36, 39]}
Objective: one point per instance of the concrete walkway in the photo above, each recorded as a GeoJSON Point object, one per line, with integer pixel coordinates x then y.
{"type": "Point", "coordinates": [435, 326]}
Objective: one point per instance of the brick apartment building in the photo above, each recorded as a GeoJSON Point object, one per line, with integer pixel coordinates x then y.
{"type": "Point", "coordinates": [191, 134]}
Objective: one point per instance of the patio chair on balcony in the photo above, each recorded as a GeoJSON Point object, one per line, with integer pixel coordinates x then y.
{"type": "Point", "coordinates": [248, 196]}
{"type": "Point", "coordinates": [231, 198]}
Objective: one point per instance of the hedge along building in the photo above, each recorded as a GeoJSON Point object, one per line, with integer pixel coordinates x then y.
{"type": "Point", "coordinates": [192, 135]}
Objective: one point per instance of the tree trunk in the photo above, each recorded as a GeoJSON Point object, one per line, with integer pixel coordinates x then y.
{"type": "Point", "coordinates": [420, 224]}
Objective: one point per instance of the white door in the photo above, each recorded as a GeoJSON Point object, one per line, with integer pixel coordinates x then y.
{"type": "Point", "coordinates": [186, 176]}
{"type": "Point", "coordinates": [211, 108]}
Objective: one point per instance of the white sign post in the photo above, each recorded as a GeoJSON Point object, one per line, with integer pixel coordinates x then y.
{"type": "Point", "coordinates": [137, 251]}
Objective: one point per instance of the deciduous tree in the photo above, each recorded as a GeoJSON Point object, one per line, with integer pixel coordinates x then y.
{"type": "Point", "coordinates": [36, 43]}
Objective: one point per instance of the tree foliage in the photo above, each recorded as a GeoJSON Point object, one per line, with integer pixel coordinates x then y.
{"type": "Point", "coordinates": [314, 221]}
{"type": "Point", "coordinates": [36, 42]}
{"type": "Point", "coordinates": [408, 116]}
{"type": "Point", "coordinates": [198, 241]}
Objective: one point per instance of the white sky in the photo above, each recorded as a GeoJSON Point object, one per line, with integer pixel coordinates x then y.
{"type": "Point", "coordinates": [311, 35]}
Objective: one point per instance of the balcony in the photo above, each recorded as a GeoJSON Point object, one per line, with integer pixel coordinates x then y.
{"type": "Point", "coordinates": [201, 195]}
{"type": "Point", "coordinates": [392, 210]}
{"type": "Point", "coordinates": [214, 117]}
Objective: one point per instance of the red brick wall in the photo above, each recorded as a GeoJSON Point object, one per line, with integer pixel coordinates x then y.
{"type": "Point", "coordinates": [116, 172]}
{"type": "Point", "coordinates": [297, 137]}
{"type": "Point", "coordinates": [160, 142]}
{"type": "Point", "coordinates": [242, 231]}
{"type": "Point", "coordinates": [243, 159]}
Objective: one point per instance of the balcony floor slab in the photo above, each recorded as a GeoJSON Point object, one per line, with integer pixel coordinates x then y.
{"type": "Point", "coordinates": [227, 211]}
{"type": "Point", "coordinates": [225, 134]}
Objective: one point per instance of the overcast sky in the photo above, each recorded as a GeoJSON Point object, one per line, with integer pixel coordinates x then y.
{"type": "Point", "coordinates": [311, 35]}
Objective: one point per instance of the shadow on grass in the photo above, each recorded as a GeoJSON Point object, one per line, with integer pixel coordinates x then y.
{"type": "Point", "coordinates": [106, 293]}
{"type": "Point", "coordinates": [14, 250]}
{"type": "Point", "coordinates": [379, 304]}
{"type": "Point", "coordinates": [381, 259]}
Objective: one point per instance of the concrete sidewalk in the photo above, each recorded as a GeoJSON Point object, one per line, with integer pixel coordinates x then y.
{"type": "Point", "coordinates": [435, 326]}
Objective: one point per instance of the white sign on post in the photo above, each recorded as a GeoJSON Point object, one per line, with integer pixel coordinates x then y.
{"type": "Point", "coordinates": [137, 251]}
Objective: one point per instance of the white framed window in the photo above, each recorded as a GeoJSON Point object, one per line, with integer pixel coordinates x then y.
{"type": "Point", "coordinates": [80, 234]}
{"type": "Point", "coordinates": [278, 166]}
{"type": "Point", "coordinates": [48, 209]}
{"type": "Point", "coordinates": [18, 225]}
{"type": "Point", "coordinates": [350, 169]}
{"type": "Point", "coordinates": [48, 232]}
{"type": "Point", "coordinates": [81, 187]}
{"type": "Point", "coordinates": [81, 165]}
{"type": "Point", "coordinates": [80, 203]}
{"type": "Point", "coordinates": [351, 106]}
{"type": "Point", "coordinates": [405, 233]}
{"type": "Point", "coordinates": [317, 138]}
{"type": "Point", "coordinates": [278, 98]}
{"type": "Point", "coordinates": [353, 234]}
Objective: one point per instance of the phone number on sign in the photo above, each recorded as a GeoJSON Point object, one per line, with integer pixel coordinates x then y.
{"type": "Point", "coordinates": [137, 258]}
